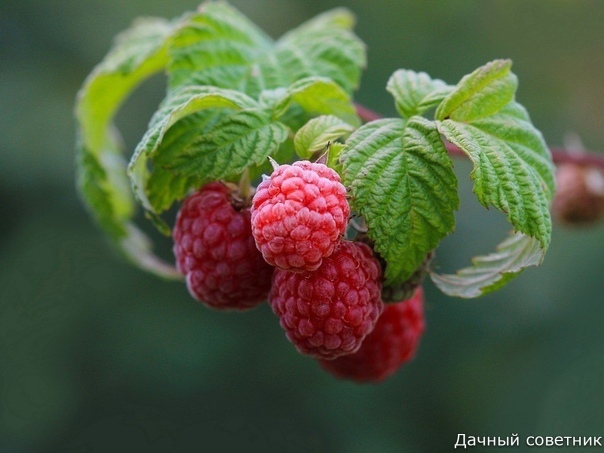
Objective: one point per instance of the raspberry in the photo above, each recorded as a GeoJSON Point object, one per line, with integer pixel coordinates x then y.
{"type": "Point", "coordinates": [327, 313]}
{"type": "Point", "coordinates": [579, 195]}
{"type": "Point", "coordinates": [298, 215]}
{"type": "Point", "coordinates": [215, 250]}
{"type": "Point", "coordinates": [392, 343]}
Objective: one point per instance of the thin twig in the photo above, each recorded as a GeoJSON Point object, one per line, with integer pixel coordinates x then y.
{"type": "Point", "coordinates": [559, 155]}
{"type": "Point", "coordinates": [366, 114]}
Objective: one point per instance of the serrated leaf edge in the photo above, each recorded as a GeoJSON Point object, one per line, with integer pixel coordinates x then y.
{"type": "Point", "coordinates": [532, 255]}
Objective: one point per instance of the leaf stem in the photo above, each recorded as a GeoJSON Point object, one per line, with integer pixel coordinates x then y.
{"type": "Point", "coordinates": [559, 155]}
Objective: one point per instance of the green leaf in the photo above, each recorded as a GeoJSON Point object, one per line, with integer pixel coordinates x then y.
{"type": "Point", "coordinates": [284, 154]}
{"type": "Point", "coordinates": [403, 184]}
{"type": "Point", "coordinates": [481, 93]}
{"type": "Point", "coordinates": [333, 156]}
{"type": "Point", "coordinates": [164, 186]}
{"type": "Point", "coordinates": [137, 53]}
{"type": "Point", "coordinates": [323, 46]}
{"type": "Point", "coordinates": [512, 171]}
{"type": "Point", "coordinates": [317, 96]}
{"type": "Point", "coordinates": [237, 141]}
{"type": "Point", "coordinates": [221, 47]}
{"type": "Point", "coordinates": [103, 197]}
{"type": "Point", "coordinates": [178, 105]}
{"type": "Point", "coordinates": [415, 92]}
{"type": "Point", "coordinates": [101, 169]}
{"type": "Point", "coordinates": [491, 272]}
{"type": "Point", "coordinates": [315, 134]}
{"type": "Point", "coordinates": [218, 46]}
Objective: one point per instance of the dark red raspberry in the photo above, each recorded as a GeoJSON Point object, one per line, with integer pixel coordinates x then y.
{"type": "Point", "coordinates": [215, 250]}
{"type": "Point", "coordinates": [327, 313]}
{"type": "Point", "coordinates": [579, 195]}
{"type": "Point", "coordinates": [392, 343]}
{"type": "Point", "coordinates": [298, 215]}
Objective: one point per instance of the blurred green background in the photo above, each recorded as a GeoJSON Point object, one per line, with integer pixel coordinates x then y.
{"type": "Point", "coordinates": [97, 356]}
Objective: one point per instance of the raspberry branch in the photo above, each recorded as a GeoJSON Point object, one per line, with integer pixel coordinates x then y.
{"type": "Point", "coordinates": [559, 155]}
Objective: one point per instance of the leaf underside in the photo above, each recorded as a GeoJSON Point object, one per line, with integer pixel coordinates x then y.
{"type": "Point", "coordinates": [101, 171]}
{"type": "Point", "coordinates": [415, 92]}
{"type": "Point", "coordinates": [491, 272]}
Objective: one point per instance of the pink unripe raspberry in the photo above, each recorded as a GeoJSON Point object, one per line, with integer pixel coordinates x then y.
{"type": "Point", "coordinates": [215, 250]}
{"type": "Point", "coordinates": [328, 312]}
{"type": "Point", "coordinates": [392, 343]}
{"type": "Point", "coordinates": [298, 215]}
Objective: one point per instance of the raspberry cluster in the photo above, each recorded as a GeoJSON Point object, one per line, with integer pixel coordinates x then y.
{"type": "Point", "coordinates": [326, 291]}
{"type": "Point", "coordinates": [288, 247]}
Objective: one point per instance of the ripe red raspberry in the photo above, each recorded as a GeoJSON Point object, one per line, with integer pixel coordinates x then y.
{"type": "Point", "coordinates": [298, 215]}
{"type": "Point", "coordinates": [392, 343]}
{"type": "Point", "coordinates": [327, 313]}
{"type": "Point", "coordinates": [215, 250]}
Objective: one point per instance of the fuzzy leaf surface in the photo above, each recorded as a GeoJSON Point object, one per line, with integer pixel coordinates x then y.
{"type": "Point", "coordinates": [512, 171]}
{"type": "Point", "coordinates": [101, 169]}
{"type": "Point", "coordinates": [403, 185]}
{"type": "Point", "coordinates": [317, 96]}
{"type": "Point", "coordinates": [315, 134]}
{"type": "Point", "coordinates": [415, 92]}
{"type": "Point", "coordinates": [481, 93]}
{"type": "Point", "coordinates": [490, 272]}
{"type": "Point", "coordinates": [324, 46]}
{"type": "Point", "coordinates": [237, 141]}
{"type": "Point", "coordinates": [218, 46]}
{"type": "Point", "coordinates": [180, 104]}
{"type": "Point", "coordinates": [164, 186]}
{"type": "Point", "coordinates": [221, 47]}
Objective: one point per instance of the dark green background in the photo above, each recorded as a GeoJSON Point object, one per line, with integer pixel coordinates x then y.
{"type": "Point", "coordinates": [97, 356]}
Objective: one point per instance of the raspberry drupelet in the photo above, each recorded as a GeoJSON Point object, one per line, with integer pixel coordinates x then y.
{"type": "Point", "coordinates": [299, 214]}
{"type": "Point", "coordinates": [392, 343]}
{"type": "Point", "coordinates": [327, 313]}
{"type": "Point", "coordinates": [215, 250]}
